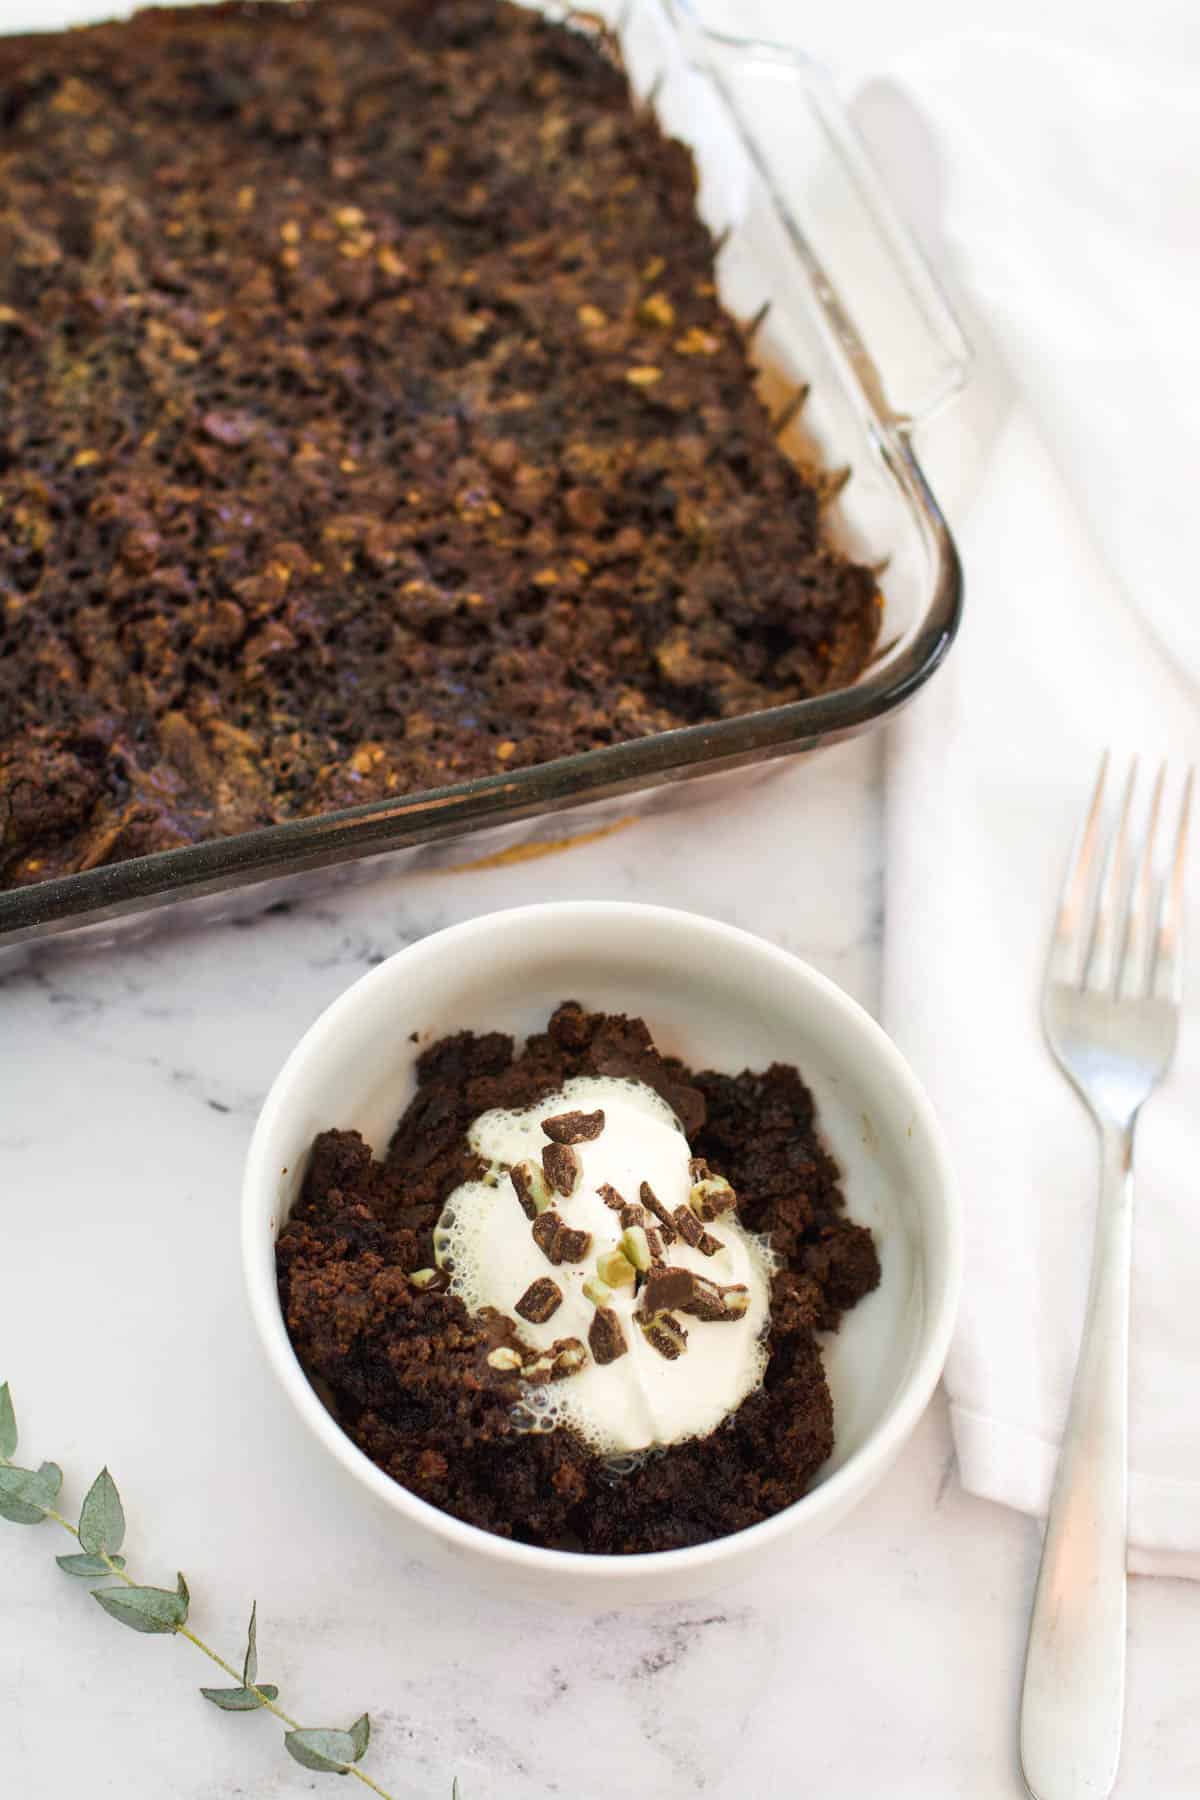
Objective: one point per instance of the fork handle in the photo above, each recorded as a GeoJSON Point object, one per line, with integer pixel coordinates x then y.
{"type": "Point", "coordinates": [1073, 1696]}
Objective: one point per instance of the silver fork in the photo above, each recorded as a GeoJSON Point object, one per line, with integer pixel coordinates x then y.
{"type": "Point", "coordinates": [1110, 1007]}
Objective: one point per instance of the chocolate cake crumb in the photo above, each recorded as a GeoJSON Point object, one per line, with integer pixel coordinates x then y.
{"type": "Point", "coordinates": [407, 1369]}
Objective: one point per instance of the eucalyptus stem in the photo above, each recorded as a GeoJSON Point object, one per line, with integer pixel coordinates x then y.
{"type": "Point", "coordinates": [182, 1630]}
{"type": "Point", "coordinates": [28, 1498]}
{"type": "Point", "coordinates": [268, 1704]}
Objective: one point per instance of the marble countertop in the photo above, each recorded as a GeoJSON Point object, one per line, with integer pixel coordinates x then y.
{"type": "Point", "coordinates": [884, 1660]}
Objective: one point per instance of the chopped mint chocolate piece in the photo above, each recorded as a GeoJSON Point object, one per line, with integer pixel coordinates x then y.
{"type": "Point", "coordinates": [688, 1225]}
{"type": "Point", "coordinates": [606, 1340]}
{"type": "Point", "coordinates": [574, 1127]}
{"type": "Point", "coordinates": [560, 1243]}
{"type": "Point", "coordinates": [712, 1302]}
{"type": "Point", "coordinates": [531, 1188]}
{"type": "Point", "coordinates": [540, 1299]}
{"type": "Point", "coordinates": [665, 1334]}
{"type": "Point", "coordinates": [562, 1168]}
{"type": "Point", "coordinates": [650, 1199]}
{"type": "Point", "coordinates": [616, 1268]}
{"type": "Point", "coordinates": [710, 1194]}
{"type": "Point", "coordinates": [666, 1288]}
{"type": "Point", "coordinates": [571, 1246]}
{"type": "Point", "coordinates": [681, 1290]}
{"type": "Point", "coordinates": [569, 1357]}
{"type": "Point", "coordinates": [635, 1247]}
{"type": "Point", "coordinates": [546, 1228]}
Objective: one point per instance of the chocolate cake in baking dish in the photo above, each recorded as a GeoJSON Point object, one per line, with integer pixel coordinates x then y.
{"type": "Point", "coordinates": [369, 421]}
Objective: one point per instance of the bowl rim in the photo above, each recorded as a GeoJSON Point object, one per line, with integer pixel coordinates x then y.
{"type": "Point", "coordinates": [851, 1481]}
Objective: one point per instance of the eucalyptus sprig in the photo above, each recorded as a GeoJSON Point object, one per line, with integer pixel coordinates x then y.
{"type": "Point", "coordinates": [27, 1497]}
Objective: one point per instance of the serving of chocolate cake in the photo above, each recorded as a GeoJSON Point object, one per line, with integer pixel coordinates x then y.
{"type": "Point", "coordinates": [557, 1360]}
{"type": "Point", "coordinates": [368, 421]}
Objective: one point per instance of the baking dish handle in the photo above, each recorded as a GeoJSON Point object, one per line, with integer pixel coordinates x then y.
{"type": "Point", "coordinates": [907, 350]}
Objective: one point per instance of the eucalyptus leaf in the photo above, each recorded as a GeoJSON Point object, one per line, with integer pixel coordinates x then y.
{"type": "Point", "coordinates": [181, 1588]}
{"type": "Point", "coordinates": [149, 1609]}
{"type": "Point", "coordinates": [102, 1517]}
{"type": "Point", "coordinates": [29, 1483]}
{"type": "Point", "coordinates": [360, 1735]}
{"type": "Point", "coordinates": [454, 1793]}
{"type": "Point", "coordinates": [17, 1512]}
{"type": "Point", "coordinates": [329, 1752]}
{"type": "Point", "coordinates": [26, 1493]}
{"type": "Point", "coordinates": [8, 1424]}
{"type": "Point", "coordinates": [240, 1699]}
{"type": "Point", "coordinates": [89, 1565]}
{"type": "Point", "coordinates": [250, 1666]}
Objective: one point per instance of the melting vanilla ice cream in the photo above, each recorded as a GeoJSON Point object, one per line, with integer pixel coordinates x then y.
{"type": "Point", "coordinates": [674, 1379]}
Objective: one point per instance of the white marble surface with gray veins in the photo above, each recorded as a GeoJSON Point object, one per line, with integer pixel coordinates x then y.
{"type": "Point", "coordinates": [881, 1661]}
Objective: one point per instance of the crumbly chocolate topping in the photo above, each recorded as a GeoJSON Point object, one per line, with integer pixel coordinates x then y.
{"type": "Point", "coordinates": [370, 422]}
{"type": "Point", "coordinates": [407, 1370]}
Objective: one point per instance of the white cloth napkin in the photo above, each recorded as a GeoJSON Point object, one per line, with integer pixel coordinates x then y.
{"type": "Point", "coordinates": [1069, 200]}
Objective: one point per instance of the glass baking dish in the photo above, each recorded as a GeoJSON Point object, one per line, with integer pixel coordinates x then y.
{"type": "Point", "coordinates": [842, 310]}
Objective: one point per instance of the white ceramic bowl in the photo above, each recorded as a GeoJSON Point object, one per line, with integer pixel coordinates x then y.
{"type": "Point", "coordinates": [719, 998]}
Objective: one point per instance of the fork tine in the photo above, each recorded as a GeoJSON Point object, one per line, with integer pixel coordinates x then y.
{"type": "Point", "coordinates": [1063, 962]}
{"type": "Point", "coordinates": [1131, 968]}
{"type": "Point", "coordinates": [1100, 962]}
{"type": "Point", "coordinates": [1168, 961]}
